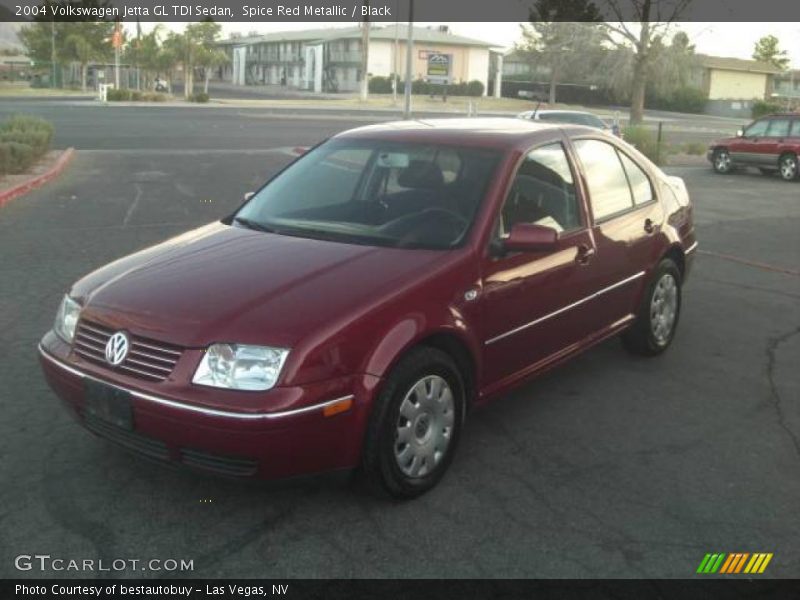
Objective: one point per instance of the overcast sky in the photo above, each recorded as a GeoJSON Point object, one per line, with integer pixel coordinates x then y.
{"type": "Point", "coordinates": [721, 39]}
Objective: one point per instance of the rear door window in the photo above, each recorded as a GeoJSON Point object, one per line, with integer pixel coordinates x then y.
{"type": "Point", "coordinates": [609, 191]}
{"type": "Point", "coordinates": [778, 128]}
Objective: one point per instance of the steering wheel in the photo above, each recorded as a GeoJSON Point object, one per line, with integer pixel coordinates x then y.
{"type": "Point", "coordinates": [458, 217]}
{"type": "Point", "coordinates": [410, 227]}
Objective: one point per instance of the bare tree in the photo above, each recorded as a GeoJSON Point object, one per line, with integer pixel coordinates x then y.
{"type": "Point", "coordinates": [565, 48]}
{"type": "Point", "coordinates": [654, 18]}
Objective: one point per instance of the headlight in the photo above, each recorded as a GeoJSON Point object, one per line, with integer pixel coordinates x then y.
{"type": "Point", "coordinates": [67, 319]}
{"type": "Point", "coordinates": [240, 367]}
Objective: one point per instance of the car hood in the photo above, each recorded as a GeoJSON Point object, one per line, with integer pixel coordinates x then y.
{"type": "Point", "coordinates": [227, 284]}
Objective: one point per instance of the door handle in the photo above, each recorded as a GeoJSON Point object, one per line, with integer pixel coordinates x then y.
{"type": "Point", "coordinates": [649, 226]}
{"type": "Point", "coordinates": [585, 254]}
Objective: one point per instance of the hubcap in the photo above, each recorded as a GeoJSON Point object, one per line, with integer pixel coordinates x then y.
{"type": "Point", "coordinates": [663, 308]}
{"type": "Point", "coordinates": [723, 161]}
{"type": "Point", "coordinates": [424, 426]}
{"type": "Point", "coordinates": [788, 168]}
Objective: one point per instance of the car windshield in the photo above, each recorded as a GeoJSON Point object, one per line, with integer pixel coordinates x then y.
{"type": "Point", "coordinates": [574, 118]}
{"type": "Point", "coordinates": [375, 192]}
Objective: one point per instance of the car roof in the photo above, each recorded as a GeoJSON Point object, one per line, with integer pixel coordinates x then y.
{"type": "Point", "coordinates": [498, 132]}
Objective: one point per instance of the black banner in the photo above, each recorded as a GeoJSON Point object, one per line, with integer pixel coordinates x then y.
{"type": "Point", "coordinates": [413, 589]}
{"type": "Point", "coordinates": [323, 11]}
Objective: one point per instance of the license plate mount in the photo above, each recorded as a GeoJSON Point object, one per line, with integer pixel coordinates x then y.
{"type": "Point", "coordinates": [109, 403]}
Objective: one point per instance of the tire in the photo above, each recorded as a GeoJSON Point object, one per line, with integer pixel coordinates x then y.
{"type": "Point", "coordinates": [413, 405]}
{"type": "Point", "coordinates": [657, 319]}
{"type": "Point", "coordinates": [721, 161]}
{"type": "Point", "coordinates": [788, 167]}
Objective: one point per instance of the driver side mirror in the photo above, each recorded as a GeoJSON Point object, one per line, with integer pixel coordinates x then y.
{"type": "Point", "coordinates": [740, 133]}
{"type": "Point", "coordinates": [247, 196]}
{"type": "Point", "coordinates": [528, 237]}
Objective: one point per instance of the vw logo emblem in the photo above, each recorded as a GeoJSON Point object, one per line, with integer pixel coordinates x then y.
{"type": "Point", "coordinates": [117, 348]}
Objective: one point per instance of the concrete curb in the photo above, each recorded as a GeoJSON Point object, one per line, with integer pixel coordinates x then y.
{"type": "Point", "coordinates": [26, 186]}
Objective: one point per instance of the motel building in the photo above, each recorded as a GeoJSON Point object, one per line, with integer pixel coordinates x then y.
{"type": "Point", "coordinates": [329, 60]}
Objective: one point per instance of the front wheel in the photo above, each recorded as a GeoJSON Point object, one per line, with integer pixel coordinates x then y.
{"type": "Point", "coordinates": [657, 319]}
{"type": "Point", "coordinates": [722, 161]}
{"type": "Point", "coordinates": [787, 166]}
{"type": "Point", "coordinates": [415, 424]}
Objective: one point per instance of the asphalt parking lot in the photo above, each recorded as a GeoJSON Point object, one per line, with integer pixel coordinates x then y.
{"type": "Point", "coordinates": [607, 467]}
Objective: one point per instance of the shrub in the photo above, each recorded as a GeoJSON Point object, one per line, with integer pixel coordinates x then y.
{"type": "Point", "coordinates": [695, 148]}
{"type": "Point", "coordinates": [18, 157]}
{"type": "Point", "coordinates": [23, 140]}
{"type": "Point", "coordinates": [644, 140]}
{"type": "Point", "coordinates": [762, 107]}
{"type": "Point", "coordinates": [383, 85]}
{"type": "Point", "coordinates": [200, 97]}
{"type": "Point", "coordinates": [5, 158]}
{"type": "Point", "coordinates": [686, 99]}
{"type": "Point", "coordinates": [38, 140]}
{"type": "Point", "coordinates": [380, 85]}
{"type": "Point", "coordinates": [475, 88]}
{"type": "Point", "coordinates": [115, 95]}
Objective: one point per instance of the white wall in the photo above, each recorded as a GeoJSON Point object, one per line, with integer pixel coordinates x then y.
{"type": "Point", "coordinates": [478, 66]}
{"type": "Point", "coordinates": [380, 57]}
{"type": "Point", "coordinates": [239, 54]}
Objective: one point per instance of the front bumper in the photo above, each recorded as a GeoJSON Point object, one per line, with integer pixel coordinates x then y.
{"type": "Point", "coordinates": [296, 439]}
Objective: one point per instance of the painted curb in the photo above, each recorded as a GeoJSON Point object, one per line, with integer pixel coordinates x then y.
{"type": "Point", "coordinates": [26, 186]}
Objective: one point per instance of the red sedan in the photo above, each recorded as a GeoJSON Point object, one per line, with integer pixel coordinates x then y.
{"type": "Point", "coordinates": [357, 306]}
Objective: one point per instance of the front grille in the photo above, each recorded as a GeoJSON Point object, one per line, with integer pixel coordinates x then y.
{"type": "Point", "coordinates": [147, 359]}
{"type": "Point", "coordinates": [128, 439]}
{"type": "Point", "coordinates": [224, 465]}
{"type": "Point", "coordinates": [156, 449]}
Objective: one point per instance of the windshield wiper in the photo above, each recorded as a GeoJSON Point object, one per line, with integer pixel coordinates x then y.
{"type": "Point", "coordinates": [255, 225]}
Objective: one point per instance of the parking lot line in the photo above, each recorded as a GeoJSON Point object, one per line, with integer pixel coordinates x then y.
{"type": "Point", "coordinates": [750, 263]}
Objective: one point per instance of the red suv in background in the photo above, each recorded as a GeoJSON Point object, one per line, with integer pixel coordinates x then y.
{"type": "Point", "coordinates": [355, 307]}
{"type": "Point", "coordinates": [771, 144]}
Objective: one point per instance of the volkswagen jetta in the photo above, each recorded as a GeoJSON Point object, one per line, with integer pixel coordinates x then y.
{"type": "Point", "coordinates": [355, 308]}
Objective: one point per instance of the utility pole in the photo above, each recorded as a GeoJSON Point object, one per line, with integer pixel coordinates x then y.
{"type": "Point", "coordinates": [394, 54]}
{"type": "Point", "coordinates": [52, 48]}
{"type": "Point", "coordinates": [365, 54]}
{"type": "Point", "coordinates": [116, 41]}
{"type": "Point", "coordinates": [409, 60]}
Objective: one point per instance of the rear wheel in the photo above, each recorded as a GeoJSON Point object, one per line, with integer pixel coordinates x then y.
{"type": "Point", "coordinates": [787, 167]}
{"type": "Point", "coordinates": [657, 319]}
{"type": "Point", "coordinates": [415, 424]}
{"type": "Point", "coordinates": [721, 160]}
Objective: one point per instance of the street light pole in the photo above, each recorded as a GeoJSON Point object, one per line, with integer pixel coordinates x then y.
{"type": "Point", "coordinates": [394, 58]}
{"type": "Point", "coordinates": [53, 50]}
{"type": "Point", "coordinates": [409, 60]}
{"type": "Point", "coordinates": [365, 54]}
